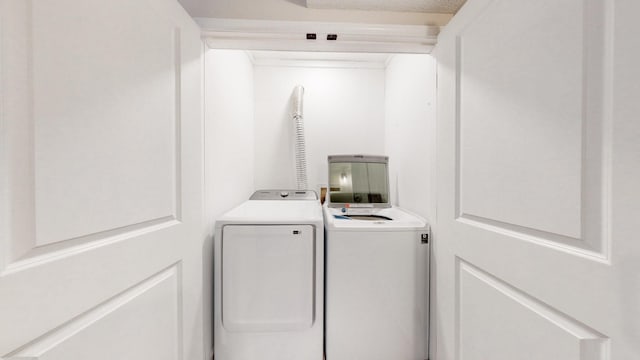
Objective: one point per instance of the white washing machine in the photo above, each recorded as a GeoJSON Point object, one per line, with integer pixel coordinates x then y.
{"type": "Point", "coordinates": [269, 277]}
{"type": "Point", "coordinates": [377, 267]}
{"type": "Point", "coordinates": [377, 295]}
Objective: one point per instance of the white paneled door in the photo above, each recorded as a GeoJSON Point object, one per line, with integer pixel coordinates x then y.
{"type": "Point", "coordinates": [537, 253]}
{"type": "Point", "coordinates": [100, 180]}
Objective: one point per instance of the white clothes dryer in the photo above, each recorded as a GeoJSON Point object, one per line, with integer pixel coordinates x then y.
{"type": "Point", "coordinates": [269, 277]}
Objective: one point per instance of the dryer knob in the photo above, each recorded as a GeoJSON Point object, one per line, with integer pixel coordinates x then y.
{"type": "Point", "coordinates": [284, 194]}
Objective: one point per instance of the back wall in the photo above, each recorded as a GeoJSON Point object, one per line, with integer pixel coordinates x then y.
{"type": "Point", "coordinates": [343, 113]}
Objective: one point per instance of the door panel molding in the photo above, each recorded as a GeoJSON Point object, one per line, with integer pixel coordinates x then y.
{"type": "Point", "coordinates": [17, 131]}
{"type": "Point", "coordinates": [42, 255]}
{"type": "Point", "coordinates": [506, 304]}
{"type": "Point", "coordinates": [177, 174]}
{"type": "Point", "coordinates": [549, 240]}
{"type": "Point", "coordinates": [112, 178]}
{"type": "Point", "coordinates": [27, 242]}
{"type": "Point", "coordinates": [588, 213]}
{"type": "Point", "coordinates": [130, 302]}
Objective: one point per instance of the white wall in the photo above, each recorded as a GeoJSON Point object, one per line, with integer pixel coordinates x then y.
{"type": "Point", "coordinates": [229, 128]}
{"type": "Point", "coordinates": [410, 89]}
{"type": "Point", "coordinates": [229, 144]}
{"type": "Point", "coordinates": [343, 114]}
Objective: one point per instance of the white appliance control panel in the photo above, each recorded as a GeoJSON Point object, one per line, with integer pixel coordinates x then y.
{"type": "Point", "coordinates": [284, 195]}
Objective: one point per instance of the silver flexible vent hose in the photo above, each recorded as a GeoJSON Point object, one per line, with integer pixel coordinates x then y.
{"type": "Point", "coordinates": [300, 147]}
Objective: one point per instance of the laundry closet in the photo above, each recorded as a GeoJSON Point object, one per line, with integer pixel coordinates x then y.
{"type": "Point", "coordinates": [353, 103]}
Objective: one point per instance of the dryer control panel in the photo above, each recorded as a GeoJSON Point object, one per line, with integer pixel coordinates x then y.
{"type": "Point", "coordinates": [284, 195]}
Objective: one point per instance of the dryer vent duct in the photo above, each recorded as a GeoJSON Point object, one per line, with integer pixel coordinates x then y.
{"type": "Point", "coordinates": [300, 146]}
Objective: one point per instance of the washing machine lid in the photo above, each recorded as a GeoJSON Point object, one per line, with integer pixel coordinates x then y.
{"type": "Point", "coordinates": [386, 219]}
{"type": "Point", "coordinates": [358, 181]}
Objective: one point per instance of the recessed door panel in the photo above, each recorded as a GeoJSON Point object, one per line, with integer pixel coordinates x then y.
{"type": "Point", "coordinates": [267, 277]}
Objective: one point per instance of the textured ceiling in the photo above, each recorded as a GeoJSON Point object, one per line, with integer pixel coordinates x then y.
{"type": "Point", "coordinates": [422, 6]}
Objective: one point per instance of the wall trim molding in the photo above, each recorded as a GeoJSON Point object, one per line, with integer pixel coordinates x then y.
{"type": "Point", "coordinates": [291, 35]}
